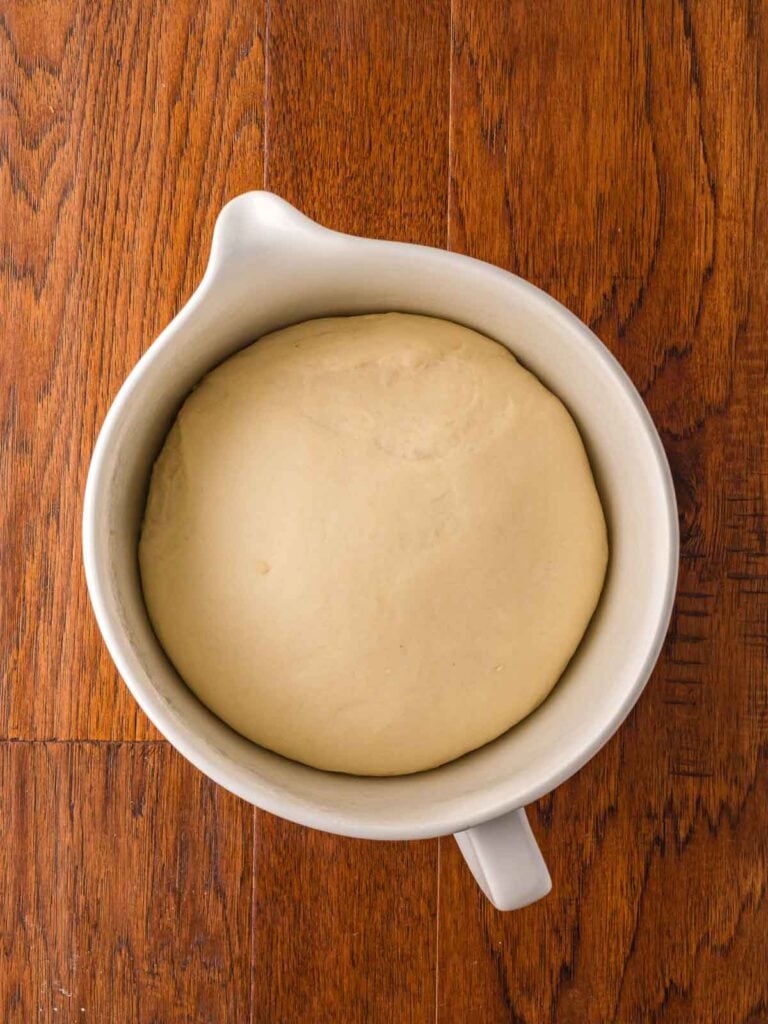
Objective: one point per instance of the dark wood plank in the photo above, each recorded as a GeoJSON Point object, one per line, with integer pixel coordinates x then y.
{"type": "Point", "coordinates": [621, 146]}
{"type": "Point", "coordinates": [357, 114]}
{"type": "Point", "coordinates": [124, 128]}
{"type": "Point", "coordinates": [552, 157]}
{"type": "Point", "coordinates": [126, 882]}
{"type": "Point", "coordinates": [344, 929]}
{"type": "Point", "coordinates": [357, 136]}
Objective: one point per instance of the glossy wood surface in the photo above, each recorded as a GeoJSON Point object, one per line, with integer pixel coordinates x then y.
{"type": "Point", "coordinates": [614, 154]}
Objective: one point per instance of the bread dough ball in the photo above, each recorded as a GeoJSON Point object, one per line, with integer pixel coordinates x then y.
{"type": "Point", "coordinates": [372, 543]}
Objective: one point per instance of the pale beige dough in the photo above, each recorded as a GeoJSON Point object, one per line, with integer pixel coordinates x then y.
{"type": "Point", "coordinates": [372, 543]}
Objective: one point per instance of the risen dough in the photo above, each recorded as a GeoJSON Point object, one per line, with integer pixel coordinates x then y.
{"type": "Point", "coordinates": [372, 543]}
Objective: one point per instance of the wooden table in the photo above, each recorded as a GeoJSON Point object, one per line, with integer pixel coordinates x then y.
{"type": "Point", "coordinates": [614, 153]}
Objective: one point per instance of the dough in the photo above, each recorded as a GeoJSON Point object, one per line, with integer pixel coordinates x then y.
{"type": "Point", "coordinates": [372, 543]}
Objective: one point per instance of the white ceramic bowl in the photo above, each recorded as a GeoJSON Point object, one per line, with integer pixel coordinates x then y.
{"type": "Point", "coordinates": [270, 266]}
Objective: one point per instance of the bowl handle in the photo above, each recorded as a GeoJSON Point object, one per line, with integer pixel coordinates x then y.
{"type": "Point", "coordinates": [506, 861]}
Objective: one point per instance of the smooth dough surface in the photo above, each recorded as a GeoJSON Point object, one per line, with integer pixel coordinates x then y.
{"type": "Point", "coordinates": [372, 543]}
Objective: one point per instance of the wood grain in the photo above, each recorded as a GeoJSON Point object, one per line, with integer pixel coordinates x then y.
{"type": "Point", "coordinates": [357, 114]}
{"type": "Point", "coordinates": [124, 128]}
{"type": "Point", "coordinates": [343, 929]}
{"type": "Point", "coordinates": [126, 881]}
{"type": "Point", "coordinates": [624, 145]}
{"type": "Point", "coordinates": [613, 153]}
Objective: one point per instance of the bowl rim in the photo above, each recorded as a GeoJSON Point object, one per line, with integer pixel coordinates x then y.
{"type": "Point", "coordinates": [196, 749]}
